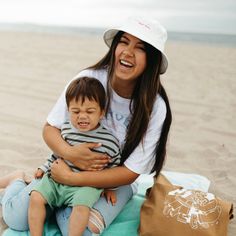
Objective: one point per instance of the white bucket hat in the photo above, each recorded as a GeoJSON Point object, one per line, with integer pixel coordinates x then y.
{"type": "Point", "coordinates": [148, 30]}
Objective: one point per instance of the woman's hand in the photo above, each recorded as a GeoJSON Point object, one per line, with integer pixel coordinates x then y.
{"type": "Point", "coordinates": [107, 178]}
{"type": "Point", "coordinates": [85, 158]}
{"type": "Point", "coordinates": [80, 155]}
{"type": "Point", "coordinates": [61, 172]}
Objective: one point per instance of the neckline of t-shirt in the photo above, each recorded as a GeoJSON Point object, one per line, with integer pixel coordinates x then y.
{"type": "Point", "coordinates": [118, 98]}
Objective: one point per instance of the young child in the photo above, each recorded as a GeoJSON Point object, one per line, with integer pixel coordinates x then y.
{"type": "Point", "coordinates": [86, 100]}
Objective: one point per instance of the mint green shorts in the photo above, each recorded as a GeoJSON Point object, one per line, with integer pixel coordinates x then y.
{"type": "Point", "coordinates": [57, 195]}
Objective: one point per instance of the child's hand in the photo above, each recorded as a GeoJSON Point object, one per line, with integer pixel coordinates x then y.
{"type": "Point", "coordinates": [38, 174]}
{"type": "Point", "coordinates": [110, 196]}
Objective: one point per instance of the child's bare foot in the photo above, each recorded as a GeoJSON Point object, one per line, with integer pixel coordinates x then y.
{"type": "Point", "coordinates": [6, 180]}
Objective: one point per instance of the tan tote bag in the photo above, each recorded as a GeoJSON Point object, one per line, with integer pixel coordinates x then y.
{"type": "Point", "coordinates": [174, 211]}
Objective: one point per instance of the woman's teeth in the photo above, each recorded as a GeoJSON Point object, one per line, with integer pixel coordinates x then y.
{"type": "Point", "coordinates": [125, 63]}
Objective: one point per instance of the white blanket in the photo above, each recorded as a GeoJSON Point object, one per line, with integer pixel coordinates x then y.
{"type": "Point", "coordinates": [188, 181]}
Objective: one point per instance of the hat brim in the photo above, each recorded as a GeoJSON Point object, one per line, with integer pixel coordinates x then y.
{"type": "Point", "coordinates": [109, 35]}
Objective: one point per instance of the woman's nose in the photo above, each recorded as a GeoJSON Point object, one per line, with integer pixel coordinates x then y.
{"type": "Point", "coordinates": [128, 52]}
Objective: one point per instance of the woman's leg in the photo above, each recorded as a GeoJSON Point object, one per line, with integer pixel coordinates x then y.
{"type": "Point", "coordinates": [107, 211]}
{"type": "Point", "coordinates": [15, 204]}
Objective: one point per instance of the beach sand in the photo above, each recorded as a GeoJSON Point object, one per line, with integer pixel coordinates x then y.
{"type": "Point", "coordinates": [34, 68]}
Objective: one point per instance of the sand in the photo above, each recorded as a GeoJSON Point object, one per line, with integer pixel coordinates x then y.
{"type": "Point", "coordinates": [34, 68]}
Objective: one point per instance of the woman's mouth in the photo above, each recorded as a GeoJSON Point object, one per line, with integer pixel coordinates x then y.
{"type": "Point", "coordinates": [126, 63]}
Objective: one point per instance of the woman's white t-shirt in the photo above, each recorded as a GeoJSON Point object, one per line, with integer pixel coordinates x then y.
{"type": "Point", "coordinates": [142, 159]}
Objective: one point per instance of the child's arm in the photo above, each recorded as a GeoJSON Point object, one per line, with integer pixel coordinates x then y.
{"type": "Point", "coordinates": [44, 167]}
{"type": "Point", "coordinates": [47, 165]}
{"type": "Point", "coordinates": [38, 174]}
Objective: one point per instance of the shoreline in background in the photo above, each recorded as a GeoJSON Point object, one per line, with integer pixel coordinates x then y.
{"type": "Point", "coordinates": [223, 39]}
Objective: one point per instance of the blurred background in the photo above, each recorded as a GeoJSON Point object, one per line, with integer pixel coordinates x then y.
{"type": "Point", "coordinates": [185, 16]}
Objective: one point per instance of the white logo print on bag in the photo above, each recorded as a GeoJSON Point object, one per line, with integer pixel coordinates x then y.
{"type": "Point", "coordinates": [196, 208]}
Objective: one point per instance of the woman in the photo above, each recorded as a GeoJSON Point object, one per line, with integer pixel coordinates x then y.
{"type": "Point", "coordinates": [137, 113]}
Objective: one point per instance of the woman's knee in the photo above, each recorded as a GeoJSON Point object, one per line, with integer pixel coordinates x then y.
{"type": "Point", "coordinates": [15, 205]}
{"type": "Point", "coordinates": [96, 222]}
{"type": "Point", "coordinates": [15, 218]}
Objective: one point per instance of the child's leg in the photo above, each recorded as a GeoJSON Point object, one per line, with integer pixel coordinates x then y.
{"type": "Point", "coordinates": [37, 214]}
{"type": "Point", "coordinates": [78, 220]}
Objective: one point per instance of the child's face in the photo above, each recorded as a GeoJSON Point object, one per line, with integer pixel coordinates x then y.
{"type": "Point", "coordinates": [86, 116]}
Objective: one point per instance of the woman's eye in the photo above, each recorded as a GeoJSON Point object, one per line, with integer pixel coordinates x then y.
{"type": "Point", "coordinates": [141, 47]}
{"type": "Point", "coordinates": [123, 42]}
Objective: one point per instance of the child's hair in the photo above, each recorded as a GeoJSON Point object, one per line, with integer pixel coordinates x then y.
{"type": "Point", "coordinates": [86, 87]}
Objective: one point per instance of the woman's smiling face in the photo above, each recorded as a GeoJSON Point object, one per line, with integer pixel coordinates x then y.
{"type": "Point", "coordinates": [130, 58]}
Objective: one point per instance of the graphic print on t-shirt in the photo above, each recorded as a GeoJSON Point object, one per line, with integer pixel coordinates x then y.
{"type": "Point", "coordinates": [117, 123]}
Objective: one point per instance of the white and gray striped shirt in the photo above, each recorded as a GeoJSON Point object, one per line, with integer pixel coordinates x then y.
{"type": "Point", "coordinates": [110, 144]}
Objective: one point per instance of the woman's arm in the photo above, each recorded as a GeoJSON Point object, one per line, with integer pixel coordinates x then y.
{"type": "Point", "coordinates": [106, 178]}
{"type": "Point", "coordinates": [80, 155]}
{"type": "Point", "coordinates": [52, 137]}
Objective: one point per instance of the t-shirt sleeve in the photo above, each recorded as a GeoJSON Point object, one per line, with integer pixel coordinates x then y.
{"type": "Point", "coordinates": [142, 160]}
{"type": "Point", "coordinates": [59, 114]}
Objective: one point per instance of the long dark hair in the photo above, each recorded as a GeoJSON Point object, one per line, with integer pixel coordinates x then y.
{"type": "Point", "coordinates": [144, 95]}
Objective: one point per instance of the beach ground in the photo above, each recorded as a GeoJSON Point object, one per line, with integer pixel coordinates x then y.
{"type": "Point", "coordinates": [200, 81]}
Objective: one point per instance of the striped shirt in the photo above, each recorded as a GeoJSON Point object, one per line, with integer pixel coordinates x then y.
{"type": "Point", "coordinates": [110, 144]}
